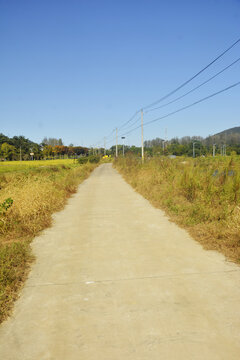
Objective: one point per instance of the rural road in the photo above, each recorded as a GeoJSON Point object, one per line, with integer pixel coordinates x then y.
{"type": "Point", "coordinates": [115, 280]}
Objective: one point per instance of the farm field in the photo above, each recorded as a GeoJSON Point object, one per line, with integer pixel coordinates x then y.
{"type": "Point", "coordinates": [201, 195]}
{"type": "Point", "coordinates": [30, 192]}
{"type": "Point", "coordinates": [19, 166]}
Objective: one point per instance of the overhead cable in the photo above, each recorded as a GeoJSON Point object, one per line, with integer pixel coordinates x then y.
{"type": "Point", "coordinates": [193, 77]}
{"type": "Point", "coordinates": [184, 107]}
{"type": "Point", "coordinates": [192, 90]}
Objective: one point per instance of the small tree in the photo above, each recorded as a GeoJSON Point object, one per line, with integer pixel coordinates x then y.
{"type": "Point", "coordinates": [8, 151]}
{"type": "Point", "coordinates": [48, 151]}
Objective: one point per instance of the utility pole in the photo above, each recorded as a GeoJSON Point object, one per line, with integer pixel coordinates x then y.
{"type": "Point", "coordinates": [123, 137]}
{"type": "Point", "coordinates": [165, 134]}
{"type": "Point", "coordinates": [142, 136]}
{"type": "Point", "coordinates": [164, 142]}
{"type": "Point", "coordinates": [214, 150]}
{"type": "Point", "coordinates": [194, 149]}
{"type": "Point", "coordinates": [104, 146]}
{"type": "Point", "coordinates": [116, 142]}
{"type": "Point", "coordinates": [20, 153]}
{"type": "Point", "coordinates": [224, 150]}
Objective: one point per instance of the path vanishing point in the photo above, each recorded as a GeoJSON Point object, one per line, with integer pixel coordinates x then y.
{"type": "Point", "coordinates": [114, 279]}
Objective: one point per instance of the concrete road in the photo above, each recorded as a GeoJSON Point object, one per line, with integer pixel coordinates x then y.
{"type": "Point", "coordinates": [115, 280]}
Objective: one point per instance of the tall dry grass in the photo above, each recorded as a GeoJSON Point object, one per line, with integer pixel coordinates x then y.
{"type": "Point", "coordinates": [36, 194]}
{"type": "Point", "coordinates": [202, 195]}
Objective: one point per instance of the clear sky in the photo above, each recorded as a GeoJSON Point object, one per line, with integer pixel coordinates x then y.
{"type": "Point", "coordinates": [76, 69]}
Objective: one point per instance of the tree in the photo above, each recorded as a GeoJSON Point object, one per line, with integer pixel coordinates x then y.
{"type": "Point", "coordinates": [8, 151]}
{"type": "Point", "coordinates": [52, 141]}
{"type": "Point", "coordinates": [48, 151]}
{"type": "Point", "coordinates": [4, 139]}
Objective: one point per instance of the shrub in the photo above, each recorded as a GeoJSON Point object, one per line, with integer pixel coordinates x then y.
{"type": "Point", "coordinates": [94, 159]}
{"type": "Point", "coordinates": [82, 160]}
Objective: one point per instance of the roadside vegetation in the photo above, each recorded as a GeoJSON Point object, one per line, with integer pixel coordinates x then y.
{"type": "Point", "coordinates": [202, 195]}
{"type": "Point", "coordinates": [25, 166]}
{"type": "Point", "coordinates": [20, 148]}
{"type": "Point", "coordinates": [30, 192]}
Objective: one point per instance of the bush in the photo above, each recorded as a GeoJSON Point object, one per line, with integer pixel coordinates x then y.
{"type": "Point", "coordinates": [82, 160]}
{"type": "Point", "coordinates": [94, 159]}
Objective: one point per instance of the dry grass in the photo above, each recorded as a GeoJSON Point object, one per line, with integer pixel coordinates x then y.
{"type": "Point", "coordinates": [36, 194]}
{"type": "Point", "coordinates": [202, 195]}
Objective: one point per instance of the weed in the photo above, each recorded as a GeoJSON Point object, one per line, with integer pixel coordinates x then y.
{"type": "Point", "coordinates": [14, 261]}
{"type": "Point", "coordinates": [83, 160]}
{"type": "Point", "coordinates": [37, 193]}
{"type": "Point", "coordinates": [200, 194]}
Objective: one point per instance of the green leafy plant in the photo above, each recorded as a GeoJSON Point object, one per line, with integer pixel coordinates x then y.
{"type": "Point", "coordinates": [82, 160]}
{"type": "Point", "coordinates": [5, 205]}
{"type": "Point", "coordinates": [94, 159]}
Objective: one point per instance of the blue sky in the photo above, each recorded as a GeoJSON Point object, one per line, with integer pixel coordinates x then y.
{"type": "Point", "coordinates": [76, 69]}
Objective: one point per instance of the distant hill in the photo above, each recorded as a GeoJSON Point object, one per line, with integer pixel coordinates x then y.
{"type": "Point", "coordinates": [235, 130]}
{"type": "Point", "coordinates": [229, 137]}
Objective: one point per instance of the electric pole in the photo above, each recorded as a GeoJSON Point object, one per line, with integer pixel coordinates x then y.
{"type": "Point", "coordinates": [224, 150]}
{"type": "Point", "coordinates": [104, 146]}
{"type": "Point", "coordinates": [123, 137]}
{"type": "Point", "coordinates": [20, 153]}
{"type": "Point", "coordinates": [142, 136]}
{"type": "Point", "coordinates": [194, 149]}
{"type": "Point", "coordinates": [116, 142]}
{"type": "Point", "coordinates": [214, 148]}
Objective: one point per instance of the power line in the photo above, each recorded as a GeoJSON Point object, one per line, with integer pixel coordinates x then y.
{"type": "Point", "coordinates": [110, 133]}
{"type": "Point", "coordinates": [113, 137]}
{"type": "Point", "coordinates": [181, 86]}
{"type": "Point", "coordinates": [197, 87]}
{"type": "Point", "coordinates": [193, 77]}
{"type": "Point", "coordinates": [103, 139]}
{"type": "Point", "coordinates": [185, 107]}
{"type": "Point", "coordinates": [139, 118]}
{"type": "Point", "coordinates": [131, 118]}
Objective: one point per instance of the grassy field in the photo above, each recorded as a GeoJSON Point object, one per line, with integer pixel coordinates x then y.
{"type": "Point", "coordinates": [22, 166]}
{"type": "Point", "coordinates": [29, 193]}
{"type": "Point", "coordinates": [201, 195]}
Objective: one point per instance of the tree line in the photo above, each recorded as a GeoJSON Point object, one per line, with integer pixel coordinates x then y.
{"type": "Point", "coordinates": [21, 148]}
{"type": "Point", "coordinates": [202, 146]}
